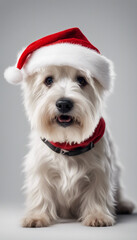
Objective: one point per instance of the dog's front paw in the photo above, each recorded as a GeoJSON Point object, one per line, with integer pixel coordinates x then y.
{"type": "Point", "coordinates": [35, 221]}
{"type": "Point", "coordinates": [98, 220]}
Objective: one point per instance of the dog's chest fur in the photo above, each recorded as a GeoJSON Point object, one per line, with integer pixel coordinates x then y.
{"type": "Point", "coordinates": [71, 177]}
{"type": "Point", "coordinates": [67, 180]}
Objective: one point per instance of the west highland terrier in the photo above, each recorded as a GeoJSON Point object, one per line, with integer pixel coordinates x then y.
{"type": "Point", "coordinates": [71, 170]}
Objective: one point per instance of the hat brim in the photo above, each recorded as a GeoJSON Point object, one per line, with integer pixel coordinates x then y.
{"type": "Point", "coordinates": [74, 55]}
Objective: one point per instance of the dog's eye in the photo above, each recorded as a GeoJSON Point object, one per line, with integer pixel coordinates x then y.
{"type": "Point", "coordinates": [48, 81]}
{"type": "Point", "coordinates": [81, 81]}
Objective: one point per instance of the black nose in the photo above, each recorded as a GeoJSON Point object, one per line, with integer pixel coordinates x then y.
{"type": "Point", "coordinates": [64, 105]}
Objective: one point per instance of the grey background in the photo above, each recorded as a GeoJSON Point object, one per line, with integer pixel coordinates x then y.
{"type": "Point", "coordinates": [110, 25]}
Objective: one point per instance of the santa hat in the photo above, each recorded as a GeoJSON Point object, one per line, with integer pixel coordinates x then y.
{"type": "Point", "coordinates": [69, 47]}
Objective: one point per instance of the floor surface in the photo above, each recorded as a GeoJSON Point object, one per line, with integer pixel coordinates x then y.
{"type": "Point", "coordinates": [124, 229]}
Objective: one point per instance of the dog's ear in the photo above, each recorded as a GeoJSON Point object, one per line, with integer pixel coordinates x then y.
{"type": "Point", "coordinates": [12, 74]}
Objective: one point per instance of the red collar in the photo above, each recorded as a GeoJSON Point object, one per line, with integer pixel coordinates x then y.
{"type": "Point", "coordinates": [96, 136]}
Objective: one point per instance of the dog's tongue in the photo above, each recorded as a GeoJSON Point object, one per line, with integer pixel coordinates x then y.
{"type": "Point", "coordinates": [64, 118]}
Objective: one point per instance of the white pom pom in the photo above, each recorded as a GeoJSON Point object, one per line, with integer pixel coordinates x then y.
{"type": "Point", "coordinates": [13, 75]}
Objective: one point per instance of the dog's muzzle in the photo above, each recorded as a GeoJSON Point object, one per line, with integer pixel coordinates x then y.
{"type": "Point", "coordinates": [64, 105]}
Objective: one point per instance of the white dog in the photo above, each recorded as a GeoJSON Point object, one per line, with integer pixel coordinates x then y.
{"type": "Point", "coordinates": [71, 168]}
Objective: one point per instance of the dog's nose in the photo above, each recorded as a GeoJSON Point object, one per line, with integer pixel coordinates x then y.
{"type": "Point", "coordinates": [64, 105]}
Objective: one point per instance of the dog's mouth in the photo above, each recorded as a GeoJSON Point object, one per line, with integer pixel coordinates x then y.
{"type": "Point", "coordinates": [64, 120]}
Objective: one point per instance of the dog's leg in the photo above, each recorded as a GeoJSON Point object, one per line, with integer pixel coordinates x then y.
{"type": "Point", "coordinates": [41, 207]}
{"type": "Point", "coordinates": [97, 204]}
{"type": "Point", "coordinates": [96, 215]}
{"type": "Point", "coordinates": [124, 205]}
{"type": "Point", "coordinates": [41, 210]}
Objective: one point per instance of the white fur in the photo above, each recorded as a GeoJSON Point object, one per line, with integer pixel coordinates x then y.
{"type": "Point", "coordinates": [86, 186]}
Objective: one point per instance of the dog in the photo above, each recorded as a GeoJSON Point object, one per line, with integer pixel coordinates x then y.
{"type": "Point", "coordinates": [72, 168]}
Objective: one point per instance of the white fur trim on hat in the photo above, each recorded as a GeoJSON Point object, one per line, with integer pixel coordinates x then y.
{"type": "Point", "coordinates": [13, 75]}
{"type": "Point", "coordinates": [74, 55]}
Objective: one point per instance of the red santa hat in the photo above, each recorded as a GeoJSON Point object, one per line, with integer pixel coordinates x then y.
{"type": "Point", "coordinates": [69, 47]}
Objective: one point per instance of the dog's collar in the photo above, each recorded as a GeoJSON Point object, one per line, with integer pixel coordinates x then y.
{"type": "Point", "coordinates": [76, 149]}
